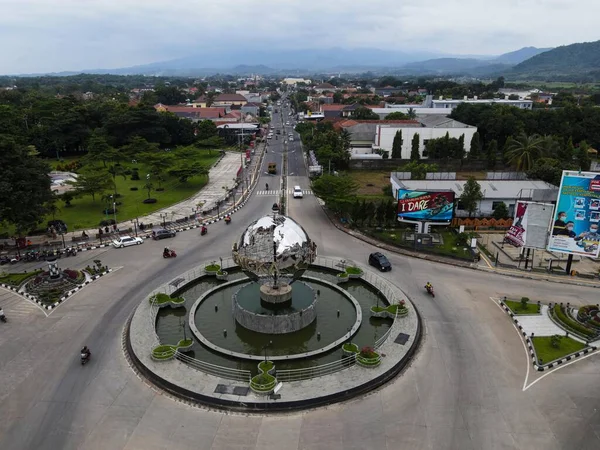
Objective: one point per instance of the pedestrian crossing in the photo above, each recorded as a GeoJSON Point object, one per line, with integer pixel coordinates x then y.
{"type": "Point", "coordinates": [277, 192]}
{"type": "Point", "coordinates": [17, 308]}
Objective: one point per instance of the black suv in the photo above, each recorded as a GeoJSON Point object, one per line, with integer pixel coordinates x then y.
{"type": "Point", "coordinates": [380, 261]}
{"type": "Point", "coordinates": [162, 234]}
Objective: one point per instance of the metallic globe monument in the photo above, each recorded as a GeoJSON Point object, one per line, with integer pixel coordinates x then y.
{"type": "Point", "coordinates": [274, 251]}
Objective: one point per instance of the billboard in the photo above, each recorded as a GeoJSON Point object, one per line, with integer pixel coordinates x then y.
{"type": "Point", "coordinates": [577, 215]}
{"type": "Point", "coordinates": [425, 205]}
{"type": "Point", "coordinates": [530, 225]}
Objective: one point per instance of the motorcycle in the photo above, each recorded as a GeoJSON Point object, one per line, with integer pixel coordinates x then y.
{"type": "Point", "coordinates": [170, 254]}
{"type": "Point", "coordinates": [430, 291]}
{"type": "Point", "coordinates": [85, 357]}
{"type": "Point", "coordinates": [203, 231]}
{"type": "Point", "coordinates": [3, 318]}
{"type": "Point", "coordinates": [227, 220]}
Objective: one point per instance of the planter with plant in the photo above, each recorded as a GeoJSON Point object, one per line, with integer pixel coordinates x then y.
{"type": "Point", "coordinates": [354, 272]}
{"type": "Point", "coordinates": [368, 357]}
{"type": "Point", "coordinates": [185, 345]}
{"type": "Point", "coordinates": [163, 352]}
{"type": "Point", "coordinates": [350, 349]}
{"type": "Point", "coordinates": [264, 383]}
{"type": "Point", "coordinates": [342, 277]}
{"type": "Point", "coordinates": [222, 275]}
{"type": "Point", "coordinates": [391, 311]}
{"type": "Point", "coordinates": [212, 268]}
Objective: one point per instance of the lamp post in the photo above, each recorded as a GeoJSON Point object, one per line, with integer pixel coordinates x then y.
{"type": "Point", "coordinates": [265, 348]}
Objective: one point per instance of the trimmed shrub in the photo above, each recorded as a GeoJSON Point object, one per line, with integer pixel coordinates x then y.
{"type": "Point", "coordinates": [562, 317]}
{"type": "Point", "coordinates": [150, 200]}
{"type": "Point", "coordinates": [133, 188]}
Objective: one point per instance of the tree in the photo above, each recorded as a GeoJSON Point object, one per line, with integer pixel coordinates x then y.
{"type": "Point", "coordinates": [419, 170]}
{"type": "Point", "coordinates": [475, 148]}
{"type": "Point", "coordinates": [548, 170]}
{"type": "Point", "coordinates": [92, 182]}
{"type": "Point", "coordinates": [337, 192]}
{"type": "Point", "coordinates": [338, 97]}
{"type": "Point", "coordinates": [471, 195]}
{"type": "Point", "coordinates": [159, 163]}
{"type": "Point", "coordinates": [24, 186]}
{"type": "Point", "coordinates": [345, 139]}
{"type": "Point", "coordinates": [397, 115]}
{"type": "Point", "coordinates": [185, 171]}
{"type": "Point", "coordinates": [99, 150]}
{"type": "Point", "coordinates": [500, 211]}
{"type": "Point", "coordinates": [136, 147]}
{"type": "Point", "coordinates": [521, 152]}
{"type": "Point", "coordinates": [381, 212]}
{"type": "Point", "coordinates": [414, 148]}
{"type": "Point", "coordinates": [364, 113]}
{"type": "Point", "coordinates": [149, 186]}
{"type": "Point", "coordinates": [206, 129]}
{"type": "Point", "coordinates": [397, 145]}
{"type": "Point", "coordinates": [567, 152]}
{"type": "Point", "coordinates": [411, 113]}
{"type": "Point", "coordinates": [583, 156]}
{"type": "Point", "coordinates": [492, 154]}
{"type": "Point", "coordinates": [210, 98]}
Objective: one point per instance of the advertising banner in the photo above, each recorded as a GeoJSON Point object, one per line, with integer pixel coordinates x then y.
{"type": "Point", "coordinates": [425, 205]}
{"type": "Point", "coordinates": [577, 215]}
{"type": "Point", "coordinates": [530, 225]}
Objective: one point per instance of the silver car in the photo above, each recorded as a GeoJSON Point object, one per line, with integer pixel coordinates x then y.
{"type": "Point", "coordinates": [126, 241]}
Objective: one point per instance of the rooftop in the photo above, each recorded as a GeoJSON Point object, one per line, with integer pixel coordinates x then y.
{"type": "Point", "coordinates": [500, 189]}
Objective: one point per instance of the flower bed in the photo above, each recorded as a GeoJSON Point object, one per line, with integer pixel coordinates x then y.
{"type": "Point", "coordinates": [17, 279]}
{"type": "Point", "coordinates": [590, 316]}
{"type": "Point", "coordinates": [571, 324]}
{"type": "Point", "coordinates": [354, 272]}
{"type": "Point", "coordinates": [390, 312]}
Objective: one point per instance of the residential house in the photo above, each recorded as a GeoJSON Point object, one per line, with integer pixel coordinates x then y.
{"type": "Point", "coordinates": [450, 104]}
{"type": "Point", "coordinates": [221, 100]}
{"type": "Point", "coordinates": [324, 87]}
{"type": "Point", "coordinates": [193, 113]}
{"type": "Point", "coordinates": [388, 91]}
{"type": "Point", "coordinates": [251, 108]}
{"type": "Point", "coordinates": [294, 81]}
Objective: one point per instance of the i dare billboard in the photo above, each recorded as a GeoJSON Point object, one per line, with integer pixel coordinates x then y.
{"type": "Point", "coordinates": [425, 205]}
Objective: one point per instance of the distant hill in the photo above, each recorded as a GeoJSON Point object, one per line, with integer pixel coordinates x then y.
{"type": "Point", "coordinates": [518, 56]}
{"type": "Point", "coordinates": [576, 62]}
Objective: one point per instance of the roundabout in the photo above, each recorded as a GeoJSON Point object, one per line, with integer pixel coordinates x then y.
{"type": "Point", "coordinates": [318, 341]}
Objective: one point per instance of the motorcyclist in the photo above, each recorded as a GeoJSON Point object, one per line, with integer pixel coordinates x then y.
{"type": "Point", "coordinates": [267, 186]}
{"type": "Point", "coordinates": [85, 352]}
{"type": "Point", "coordinates": [227, 218]}
{"type": "Point", "coordinates": [2, 316]}
{"type": "Point", "coordinates": [204, 230]}
{"type": "Point", "coordinates": [166, 251]}
{"type": "Point", "coordinates": [429, 286]}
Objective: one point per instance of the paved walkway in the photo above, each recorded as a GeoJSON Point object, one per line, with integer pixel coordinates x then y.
{"type": "Point", "coordinates": [541, 325]}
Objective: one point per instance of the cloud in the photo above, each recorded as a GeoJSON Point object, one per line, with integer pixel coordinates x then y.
{"type": "Point", "coordinates": [55, 35]}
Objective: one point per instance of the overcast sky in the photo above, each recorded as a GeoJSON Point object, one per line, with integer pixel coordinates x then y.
{"type": "Point", "coordinates": [58, 35]}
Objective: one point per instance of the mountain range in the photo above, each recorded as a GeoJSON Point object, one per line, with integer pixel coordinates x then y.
{"type": "Point", "coordinates": [575, 62]}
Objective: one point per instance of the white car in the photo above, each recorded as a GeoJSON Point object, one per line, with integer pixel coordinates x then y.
{"type": "Point", "coordinates": [287, 123]}
{"type": "Point", "coordinates": [126, 241]}
{"type": "Point", "coordinates": [291, 139]}
{"type": "Point", "coordinates": [298, 192]}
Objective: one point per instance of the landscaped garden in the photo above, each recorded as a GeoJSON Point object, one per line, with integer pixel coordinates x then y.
{"type": "Point", "coordinates": [567, 322]}
{"type": "Point", "coordinates": [550, 348]}
{"type": "Point", "coordinates": [450, 245]}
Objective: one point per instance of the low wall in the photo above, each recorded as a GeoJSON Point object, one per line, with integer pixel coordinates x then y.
{"type": "Point", "coordinates": [275, 324]}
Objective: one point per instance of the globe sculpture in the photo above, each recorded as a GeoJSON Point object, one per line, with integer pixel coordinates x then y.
{"type": "Point", "coordinates": [274, 251]}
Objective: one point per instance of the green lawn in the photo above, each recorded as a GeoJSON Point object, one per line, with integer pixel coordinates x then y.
{"type": "Point", "coordinates": [545, 351]}
{"type": "Point", "coordinates": [449, 246]}
{"type": "Point", "coordinates": [15, 279]}
{"type": "Point", "coordinates": [515, 307]}
{"type": "Point", "coordinates": [86, 213]}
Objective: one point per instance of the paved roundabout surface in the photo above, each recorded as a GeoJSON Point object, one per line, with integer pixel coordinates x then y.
{"type": "Point", "coordinates": [470, 385]}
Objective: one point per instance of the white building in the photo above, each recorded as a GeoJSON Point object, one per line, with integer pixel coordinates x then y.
{"type": "Point", "coordinates": [405, 109]}
{"type": "Point", "coordinates": [450, 104]}
{"type": "Point", "coordinates": [428, 127]}
{"type": "Point", "coordinates": [494, 192]}
{"type": "Point", "coordinates": [294, 81]}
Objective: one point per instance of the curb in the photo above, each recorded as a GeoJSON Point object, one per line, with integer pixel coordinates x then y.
{"type": "Point", "coordinates": [556, 362]}
{"type": "Point", "coordinates": [399, 251]}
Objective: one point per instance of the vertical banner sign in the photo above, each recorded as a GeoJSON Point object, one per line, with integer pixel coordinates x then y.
{"type": "Point", "coordinates": [518, 230]}
{"type": "Point", "coordinates": [577, 215]}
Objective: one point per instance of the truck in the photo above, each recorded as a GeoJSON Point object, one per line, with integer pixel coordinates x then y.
{"type": "Point", "coordinates": [272, 168]}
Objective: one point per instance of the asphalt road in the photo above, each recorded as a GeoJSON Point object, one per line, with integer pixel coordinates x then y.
{"type": "Point", "coordinates": [464, 389]}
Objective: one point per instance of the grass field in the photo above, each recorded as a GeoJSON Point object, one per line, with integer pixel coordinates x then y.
{"type": "Point", "coordinates": [370, 182]}
{"type": "Point", "coordinates": [86, 213]}
{"type": "Point", "coordinates": [545, 351]}
{"type": "Point", "coordinates": [515, 307]}
{"type": "Point", "coordinates": [448, 247]}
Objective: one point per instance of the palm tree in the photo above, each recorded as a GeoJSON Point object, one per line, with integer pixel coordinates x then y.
{"type": "Point", "coordinates": [345, 139]}
{"type": "Point", "coordinates": [411, 113]}
{"type": "Point", "coordinates": [524, 150]}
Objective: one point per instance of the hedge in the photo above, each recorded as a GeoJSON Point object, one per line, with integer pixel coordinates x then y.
{"type": "Point", "coordinates": [570, 323]}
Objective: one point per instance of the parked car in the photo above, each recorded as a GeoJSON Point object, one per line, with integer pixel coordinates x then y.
{"type": "Point", "coordinates": [298, 192]}
{"type": "Point", "coordinates": [380, 261]}
{"type": "Point", "coordinates": [162, 233]}
{"type": "Point", "coordinates": [126, 241]}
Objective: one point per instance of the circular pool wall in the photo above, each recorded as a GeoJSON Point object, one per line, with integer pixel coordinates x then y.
{"type": "Point", "coordinates": [250, 312]}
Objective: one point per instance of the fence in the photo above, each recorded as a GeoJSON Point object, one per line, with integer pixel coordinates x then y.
{"type": "Point", "coordinates": [316, 371]}
{"type": "Point", "coordinates": [212, 369]}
